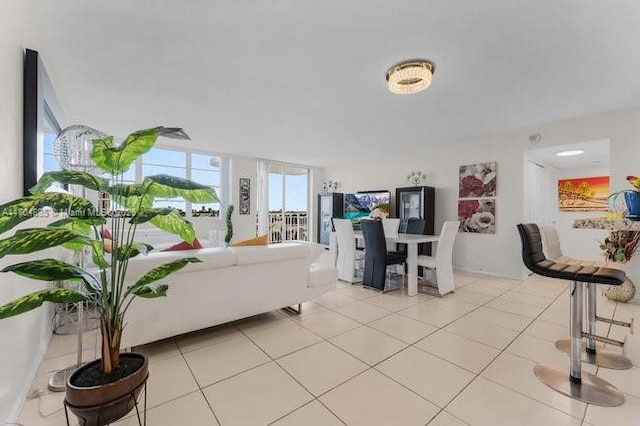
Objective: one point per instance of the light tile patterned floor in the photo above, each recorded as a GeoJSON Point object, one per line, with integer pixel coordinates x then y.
{"type": "Point", "coordinates": [358, 357]}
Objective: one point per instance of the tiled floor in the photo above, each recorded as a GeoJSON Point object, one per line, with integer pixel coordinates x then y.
{"type": "Point", "coordinates": [358, 357]}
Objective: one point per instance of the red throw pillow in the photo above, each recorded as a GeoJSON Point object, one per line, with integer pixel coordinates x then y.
{"type": "Point", "coordinates": [185, 246]}
{"type": "Point", "coordinates": [106, 234]}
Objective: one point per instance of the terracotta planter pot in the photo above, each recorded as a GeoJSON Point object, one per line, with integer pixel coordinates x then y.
{"type": "Point", "coordinates": [103, 404]}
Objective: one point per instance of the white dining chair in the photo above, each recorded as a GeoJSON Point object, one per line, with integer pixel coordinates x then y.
{"type": "Point", "coordinates": [391, 227]}
{"type": "Point", "coordinates": [348, 257]}
{"type": "Point", "coordinates": [442, 261]}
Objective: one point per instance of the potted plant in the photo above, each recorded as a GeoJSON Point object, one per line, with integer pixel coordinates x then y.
{"type": "Point", "coordinates": [618, 248]}
{"type": "Point", "coordinates": [100, 392]}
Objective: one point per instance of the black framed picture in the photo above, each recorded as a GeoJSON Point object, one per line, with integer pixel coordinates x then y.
{"type": "Point", "coordinates": [244, 204]}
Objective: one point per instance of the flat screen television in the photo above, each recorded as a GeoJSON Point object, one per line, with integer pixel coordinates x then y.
{"type": "Point", "coordinates": [366, 204]}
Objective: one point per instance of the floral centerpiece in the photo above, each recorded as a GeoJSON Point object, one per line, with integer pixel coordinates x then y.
{"type": "Point", "coordinates": [620, 246]}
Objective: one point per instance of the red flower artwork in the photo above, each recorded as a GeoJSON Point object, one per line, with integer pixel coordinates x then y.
{"type": "Point", "coordinates": [466, 208]}
{"type": "Point", "coordinates": [471, 186]}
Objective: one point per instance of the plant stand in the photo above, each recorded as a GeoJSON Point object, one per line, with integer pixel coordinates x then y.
{"type": "Point", "coordinates": [99, 415]}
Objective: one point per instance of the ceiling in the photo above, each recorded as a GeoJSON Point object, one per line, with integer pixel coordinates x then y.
{"type": "Point", "coordinates": [304, 81]}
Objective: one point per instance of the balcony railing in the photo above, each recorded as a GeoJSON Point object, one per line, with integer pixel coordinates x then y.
{"type": "Point", "coordinates": [288, 226]}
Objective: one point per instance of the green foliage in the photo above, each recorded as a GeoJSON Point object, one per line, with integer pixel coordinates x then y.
{"type": "Point", "coordinates": [54, 270]}
{"type": "Point", "coordinates": [162, 271]}
{"type": "Point", "coordinates": [17, 211]}
{"type": "Point", "coordinates": [229, 236]}
{"type": "Point", "coordinates": [116, 160]}
{"type": "Point", "coordinates": [70, 177]}
{"type": "Point", "coordinates": [164, 186]}
{"type": "Point", "coordinates": [27, 241]}
{"type": "Point", "coordinates": [36, 299]}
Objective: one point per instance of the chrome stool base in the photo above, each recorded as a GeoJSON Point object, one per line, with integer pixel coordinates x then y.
{"type": "Point", "coordinates": [592, 390]}
{"type": "Point", "coordinates": [602, 357]}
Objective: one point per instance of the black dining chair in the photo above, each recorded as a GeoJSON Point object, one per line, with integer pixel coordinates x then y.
{"type": "Point", "coordinates": [376, 256]}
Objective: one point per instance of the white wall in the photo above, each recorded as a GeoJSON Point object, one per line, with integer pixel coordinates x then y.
{"type": "Point", "coordinates": [497, 254]}
{"type": "Point", "coordinates": [23, 338]}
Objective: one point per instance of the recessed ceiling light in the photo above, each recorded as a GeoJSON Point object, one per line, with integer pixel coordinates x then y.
{"type": "Point", "coordinates": [570, 153]}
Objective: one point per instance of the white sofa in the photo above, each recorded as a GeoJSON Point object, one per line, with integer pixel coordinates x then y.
{"type": "Point", "coordinates": [228, 284]}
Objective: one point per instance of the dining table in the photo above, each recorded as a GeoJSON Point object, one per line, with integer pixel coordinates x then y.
{"type": "Point", "coordinates": [411, 240]}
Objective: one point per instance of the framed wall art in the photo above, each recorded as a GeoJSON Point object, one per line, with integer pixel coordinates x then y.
{"type": "Point", "coordinates": [244, 203]}
{"type": "Point", "coordinates": [583, 194]}
{"type": "Point", "coordinates": [477, 216]}
{"type": "Point", "coordinates": [477, 180]}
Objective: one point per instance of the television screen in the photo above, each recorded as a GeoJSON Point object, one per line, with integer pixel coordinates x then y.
{"type": "Point", "coordinates": [370, 204]}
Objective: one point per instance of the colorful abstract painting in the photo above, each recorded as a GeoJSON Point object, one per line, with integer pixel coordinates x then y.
{"type": "Point", "coordinates": [477, 216]}
{"type": "Point", "coordinates": [583, 194]}
{"type": "Point", "coordinates": [477, 180]}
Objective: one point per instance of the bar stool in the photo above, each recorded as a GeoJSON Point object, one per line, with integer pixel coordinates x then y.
{"type": "Point", "coordinates": [592, 354]}
{"type": "Point", "coordinates": [578, 385]}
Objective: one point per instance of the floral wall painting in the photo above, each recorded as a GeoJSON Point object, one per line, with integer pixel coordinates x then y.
{"type": "Point", "coordinates": [245, 196]}
{"type": "Point", "coordinates": [583, 194]}
{"type": "Point", "coordinates": [477, 180]}
{"type": "Point", "coordinates": [477, 216]}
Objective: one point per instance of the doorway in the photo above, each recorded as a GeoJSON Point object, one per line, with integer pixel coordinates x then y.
{"type": "Point", "coordinates": [543, 169]}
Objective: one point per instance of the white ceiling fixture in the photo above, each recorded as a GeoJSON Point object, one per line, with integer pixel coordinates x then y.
{"type": "Point", "coordinates": [410, 77]}
{"type": "Point", "coordinates": [570, 153]}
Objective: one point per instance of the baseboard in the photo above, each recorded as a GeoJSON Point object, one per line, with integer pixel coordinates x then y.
{"type": "Point", "coordinates": [491, 274]}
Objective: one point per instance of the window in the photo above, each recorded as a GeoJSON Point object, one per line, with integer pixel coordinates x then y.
{"type": "Point", "coordinates": [203, 168]}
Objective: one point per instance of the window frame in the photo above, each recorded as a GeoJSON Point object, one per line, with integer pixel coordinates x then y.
{"type": "Point", "coordinates": [223, 191]}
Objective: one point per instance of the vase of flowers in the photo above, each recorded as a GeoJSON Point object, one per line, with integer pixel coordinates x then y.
{"type": "Point", "coordinates": [619, 247]}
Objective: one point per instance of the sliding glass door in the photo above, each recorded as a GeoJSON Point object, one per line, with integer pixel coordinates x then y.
{"type": "Point", "coordinates": [288, 202]}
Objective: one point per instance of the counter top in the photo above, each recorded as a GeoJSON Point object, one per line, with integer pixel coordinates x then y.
{"type": "Point", "coordinates": [604, 223]}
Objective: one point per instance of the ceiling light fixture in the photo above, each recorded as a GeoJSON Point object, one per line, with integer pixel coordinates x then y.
{"type": "Point", "coordinates": [410, 77]}
{"type": "Point", "coordinates": [570, 153]}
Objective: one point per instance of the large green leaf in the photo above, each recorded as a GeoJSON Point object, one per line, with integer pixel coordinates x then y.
{"type": "Point", "coordinates": [17, 211]}
{"type": "Point", "coordinates": [77, 224]}
{"type": "Point", "coordinates": [36, 299]}
{"type": "Point", "coordinates": [173, 223]}
{"type": "Point", "coordinates": [130, 196]}
{"type": "Point", "coordinates": [71, 177]}
{"type": "Point", "coordinates": [133, 250]}
{"type": "Point", "coordinates": [165, 186]}
{"type": "Point", "coordinates": [54, 270]}
{"type": "Point", "coordinates": [150, 291]}
{"type": "Point", "coordinates": [163, 271]}
{"type": "Point", "coordinates": [117, 159]}
{"type": "Point", "coordinates": [97, 254]}
{"type": "Point", "coordinates": [146, 214]}
{"type": "Point", "coordinates": [31, 240]}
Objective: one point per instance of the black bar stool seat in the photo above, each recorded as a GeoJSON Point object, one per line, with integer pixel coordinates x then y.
{"type": "Point", "coordinates": [582, 386]}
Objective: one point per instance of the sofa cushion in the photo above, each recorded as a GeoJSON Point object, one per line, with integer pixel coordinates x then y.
{"type": "Point", "coordinates": [269, 253]}
{"type": "Point", "coordinates": [185, 246]}
{"type": "Point", "coordinates": [321, 274]}
{"type": "Point", "coordinates": [315, 249]}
